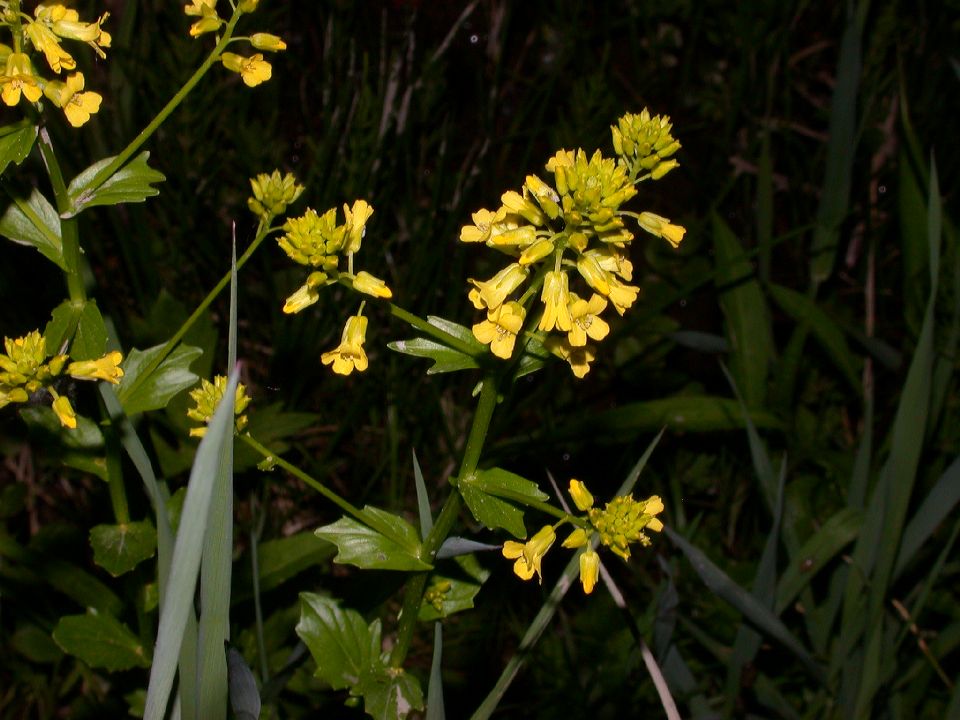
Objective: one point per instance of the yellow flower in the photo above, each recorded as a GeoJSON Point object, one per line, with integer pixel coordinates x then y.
{"type": "Point", "coordinates": [579, 358]}
{"type": "Point", "coordinates": [23, 362]}
{"type": "Point", "coordinates": [12, 395]}
{"type": "Point", "coordinates": [581, 496]}
{"type": "Point", "coordinates": [589, 569]}
{"type": "Point", "coordinates": [356, 223]}
{"type": "Point", "coordinates": [207, 397]}
{"type": "Point", "coordinates": [537, 251]}
{"type": "Point", "coordinates": [492, 293]}
{"type": "Point", "coordinates": [368, 284]}
{"type": "Point", "coordinates": [313, 239]}
{"type": "Point", "coordinates": [19, 79]}
{"type": "Point", "coordinates": [546, 196]}
{"type": "Point", "coordinates": [266, 41]}
{"type": "Point", "coordinates": [64, 410]}
{"type": "Point", "coordinates": [500, 329]}
{"type": "Point", "coordinates": [78, 106]}
{"type": "Point", "coordinates": [71, 28]}
{"type": "Point", "coordinates": [529, 555]}
{"type": "Point", "coordinates": [483, 221]}
{"type": "Point", "coordinates": [106, 368]}
{"type": "Point", "coordinates": [578, 538]}
{"type": "Point", "coordinates": [643, 141]}
{"type": "Point", "coordinates": [586, 321]}
{"type": "Point", "coordinates": [519, 204]}
{"type": "Point", "coordinates": [199, 8]}
{"type": "Point", "coordinates": [623, 521]}
{"type": "Point", "coordinates": [661, 227]}
{"type": "Point", "coordinates": [253, 70]}
{"type": "Point", "coordinates": [349, 355]}
{"type": "Point", "coordinates": [556, 300]}
{"type": "Point", "coordinates": [306, 295]}
{"type": "Point", "coordinates": [44, 40]}
{"type": "Point", "coordinates": [622, 296]}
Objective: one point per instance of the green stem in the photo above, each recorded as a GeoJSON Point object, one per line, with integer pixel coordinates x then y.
{"type": "Point", "coordinates": [262, 232]}
{"type": "Point", "coordinates": [413, 595]}
{"type": "Point", "coordinates": [69, 235]}
{"type": "Point", "coordinates": [105, 173]}
{"type": "Point", "coordinates": [309, 480]}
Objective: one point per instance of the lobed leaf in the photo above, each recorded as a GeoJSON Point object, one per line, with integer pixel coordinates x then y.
{"type": "Point", "coordinates": [16, 141]}
{"type": "Point", "coordinates": [120, 548]}
{"type": "Point", "coordinates": [139, 393]}
{"type": "Point", "coordinates": [131, 183]}
{"type": "Point", "coordinates": [34, 221]}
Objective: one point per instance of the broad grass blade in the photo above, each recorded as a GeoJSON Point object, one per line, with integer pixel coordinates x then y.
{"type": "Point", "coordinates": [217, 565]}
{"type": "Point", "coordinates": [178, 604]}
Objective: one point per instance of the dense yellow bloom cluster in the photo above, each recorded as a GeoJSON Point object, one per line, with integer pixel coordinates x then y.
{"type": "Point", "coordinates": [208, 396]}
{"type": "Point", "coordinates": [253, 69]}
{"type": "Point", "coordinates": [321, 243]}
{"type": "Point", "coordinates": [573, 224]}
{"type": "Point", "coordinates": [50, 24]}
{"type": "Point", "coordinates": [26, 367]}
{"type": "Point", "coordinates": [619, 524]}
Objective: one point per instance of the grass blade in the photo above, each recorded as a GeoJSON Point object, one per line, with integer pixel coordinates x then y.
{"type": "Point", "coordinates": [726, 589]}
{"type": "Point", "coordinates": [841, 144]}
{"type": "Point", "coordinates": [217, 565]}
{"type": "Point", "coordinates": [435, 709]}
{"type": "Point", "coordinates": [746, 314]}
{"type": "Point", "coordinates": [423, 499]}
{"type": "Point", "coordinates": [934, 509]}
{"type": "Point", "coordinates": [185, 565]}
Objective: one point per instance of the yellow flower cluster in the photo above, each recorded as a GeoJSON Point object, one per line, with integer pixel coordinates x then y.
{"type": "Point", "coordinates": [25, 369]}
{"type": "Point", "coordinates": [208, 396]}
{"type": "Point", "coordinates": [575, 223]}
{"type": "Point", "coordinates": [253, 69]}
{"type": "Point", "coordinates": [272, 194]}
{"type": "Point", "coordinates": [319, 242]}
{"type": "Point", "coordinates": [619, 524]}
{"type": "Point", "coordinates": [44, 31]}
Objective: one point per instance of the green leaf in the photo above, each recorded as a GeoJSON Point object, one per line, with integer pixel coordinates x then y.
{"type": "Point", "coordinates": [62, 325]}
{"type": "Point", "coordinates": [745, 311]}
{"type": "Point", "coordinates": [445, 359]}
{"type": "Point", "coordinates": [936, 506]}
{"type": "Point", "coordinates": [491, 494]}
{"type": "Point", "coordinates": [341, 643]}
{"type": "Point", "coordinates": [435, 710]}
{"type": "Point", "coordinates": [16, 141]}
{"type": "Point", "coordinates": [35, 222]}
{"type": "Point", "coordinates": [365, 547]}
{"type": "Point", "coordinates": [461, 332]}
{"type": "Point", "coordinates": [692, 413]}
{"type": "Point", "coordinates": [837, 532]}
{"type": "Point", "coordinates": [383, 540]}
{"type": "Point", "coordinates": [390, 693]}
{"type": "Point", "coordinates": [803, 310]}
{"type": "Point", "coordinates": [120, 548]}
{"type": "Point", "coordinates": [279, 560]}
{"type": "Point", "coordinates": [35, 645]}
{"type": "Point", "coordinates": [90, 340]}
{"type": "Point", "coordinates": [101, 641]}
{"type": "Point", "coordinates": [456, 589]}
{"type": "Point", "coordinates": [81, 448]}
{"type": "Point", "coordinates": [131, 183]}
{"type": "Point", "coordinates": [139, 394]}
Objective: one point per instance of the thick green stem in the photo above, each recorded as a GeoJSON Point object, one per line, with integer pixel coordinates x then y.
{"type": "Point", "coordinates": [413, 595]}
{"type": "Point", "coordinates": [69, 236]}
{"type": "Point", "coordinates": [300, 474]}
{"type": "Point", "coordinates": [135, 144]}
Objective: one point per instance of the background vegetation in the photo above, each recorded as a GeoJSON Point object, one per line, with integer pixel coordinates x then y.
{"type": "Point", "coordinates": [818, 169]}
